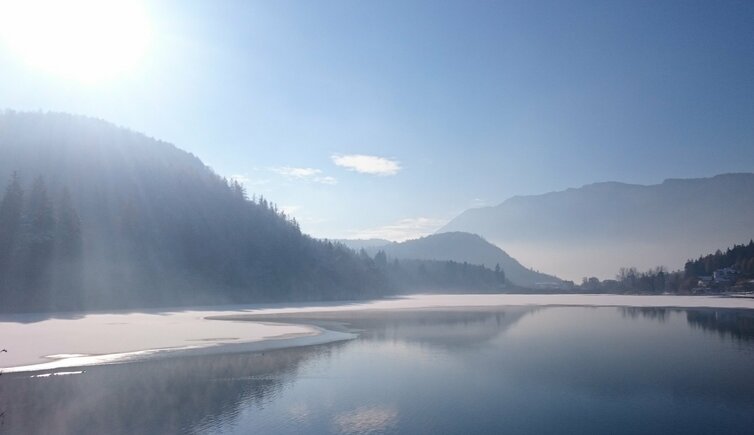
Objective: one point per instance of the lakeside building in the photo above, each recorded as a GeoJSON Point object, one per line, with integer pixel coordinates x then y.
{"type": "Point", "coordinates": [725, 276]}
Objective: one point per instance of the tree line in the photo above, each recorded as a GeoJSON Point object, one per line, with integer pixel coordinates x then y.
{"type": "Point", "coordinates": [739, 257]}
{"type": "Point", "coordinates": [438, 276]}
{"type": "Point", "coordinates": [40, 248]}
{"type": "Point", "coordinates": [660, 280]}
{"type": "Point", "coordinates": [631, 280]}
{"type": "Point", "coordinates": [247, 251]}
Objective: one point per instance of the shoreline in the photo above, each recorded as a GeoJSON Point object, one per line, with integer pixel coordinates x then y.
{"type": "Point", "coordinates": [60, 366]}
{"type": "Point", "coordinates": [94, 339]}
{"type": "Point", "coordinates": [86, 339]}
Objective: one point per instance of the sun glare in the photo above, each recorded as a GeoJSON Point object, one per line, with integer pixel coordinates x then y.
{"type": "Point", "coordinates": [85, 40]}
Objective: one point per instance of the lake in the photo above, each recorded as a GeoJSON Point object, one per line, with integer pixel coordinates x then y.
{"type": "Point", "coordinates": [588, 370]}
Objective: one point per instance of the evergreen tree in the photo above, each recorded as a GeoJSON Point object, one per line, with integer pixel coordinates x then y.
{"type": "Point", "coordinates": [68, 228]}
{"type": "Point", "coordinates": [500, 274]}
{"type": "Point", "coordinates": [380, 259]}
{"type": "Point", "coordinates": [11, 208]}
{"type": "Point", "coordinates": [40, 227]}
{"type": "Point", "coordinates": [68, 256]}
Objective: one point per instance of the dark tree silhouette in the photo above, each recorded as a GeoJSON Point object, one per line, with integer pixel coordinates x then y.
{"type": "Point", "coordinates": [39, 237]}
{"type": "Point", "coordinates": [11, 208]}
{"type": "Point", "coordinates": [68, 256]}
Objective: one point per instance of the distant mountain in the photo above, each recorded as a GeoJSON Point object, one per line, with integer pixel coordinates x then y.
{"type": "Point", "coordinates": [358, 244]}
{"type": "Point", "coordinates": [598, 228]}
{"type": "Point", "coordinates": [461, 247]}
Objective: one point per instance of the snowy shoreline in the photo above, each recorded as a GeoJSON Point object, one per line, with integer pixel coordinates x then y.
{"type": "Point", "coordinates": [107, 338]}
{"type": "Point", "coordinates": [102, 338]}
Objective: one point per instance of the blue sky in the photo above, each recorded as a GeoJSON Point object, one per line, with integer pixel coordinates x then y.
{"type": "Point", "coordinates": [456, 104]}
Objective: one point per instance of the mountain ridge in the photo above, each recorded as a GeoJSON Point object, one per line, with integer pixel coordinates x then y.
{"type": "Point", "coordinates": [658, 224]}
{"type": "Point", "coordinates": [599, 184]}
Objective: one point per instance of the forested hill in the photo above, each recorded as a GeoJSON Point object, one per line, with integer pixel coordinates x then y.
{"type": "Point", "coordinates": [460, 247]}
{"type": "Point", "coordinates": [97, 216]}
{"type": "Point", "coordinates": [157, 227]}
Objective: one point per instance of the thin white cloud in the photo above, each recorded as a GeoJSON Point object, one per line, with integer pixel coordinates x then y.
{"type": "Point", "coordinates": [404, 229]}
{"type": "Point", "coordinates": [248, 181]}
{"type": "Point", "coordinates": [288, 171]}
{"type": "Point", "coordinates": [309, 174]}
{"type": "Point", "coordinates": [364, 164]}
{"type": "Point", "coordinates": [326, 180]}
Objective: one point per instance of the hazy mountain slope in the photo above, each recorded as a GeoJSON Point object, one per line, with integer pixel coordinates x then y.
{"type": "Point", "coordinates": [463, 247]}
{"type": "Point", "coordinates": [158, 226]}
{"type": "Point", "coordinates": [96, 216]}
{"type": "Point", "coordinates": [595, 229]}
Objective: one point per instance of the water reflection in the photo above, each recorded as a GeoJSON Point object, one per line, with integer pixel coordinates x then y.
{"type": "Point", "coordinates": [366, 419]}
{"type": "Point", "coordinates": [515, 370]}
{"type": "Point", "coordinates": [728, 323]}
{"type": "Point", "coordinates": [160, 397]}
{"type": "Point", "coordinates": [446, 328]}
{"type": "Point", "coordinates": [654, 313]}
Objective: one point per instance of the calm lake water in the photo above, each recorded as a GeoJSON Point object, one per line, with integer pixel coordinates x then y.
{"type": "Point", "coordinates": [507, 370]}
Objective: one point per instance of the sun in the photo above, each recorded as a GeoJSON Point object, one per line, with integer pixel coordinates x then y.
{"type": "Point", "coordinates": [84, 40]}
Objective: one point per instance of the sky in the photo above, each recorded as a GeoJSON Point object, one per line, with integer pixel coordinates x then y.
{"type": "Point", "coordinates": [388, 118]}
